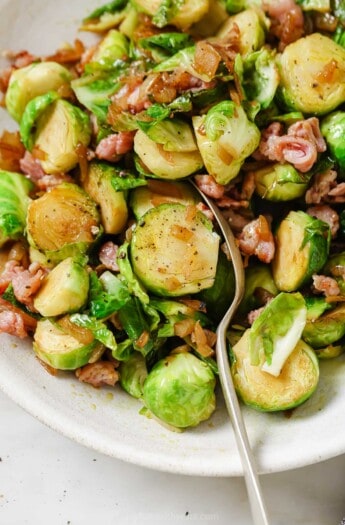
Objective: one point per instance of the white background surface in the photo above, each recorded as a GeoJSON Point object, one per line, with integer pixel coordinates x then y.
{"type": "Point", "coordinates": [47, 479]}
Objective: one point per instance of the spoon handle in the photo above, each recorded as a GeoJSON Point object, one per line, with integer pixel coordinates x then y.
{"type": "Point", "coordinates": [256, 500]}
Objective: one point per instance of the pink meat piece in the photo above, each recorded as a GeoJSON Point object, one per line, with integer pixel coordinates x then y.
{"type": "Point", "coordinates": [98, 374]}
{"type": "Point", "coordinates": [326, 285]}
{"type": "Point", "coordinates": [257, 239]}
{"type": "Point", "coordinates": [326, 214]}
{"type": "Point", "coordinates": [208, 185]}
{"type": "Point", "coordinates": [112, 147]}
{"type": "Point", "coordinates": [107, 255]}
{"type": "Point", "coordinates": [12, 323]}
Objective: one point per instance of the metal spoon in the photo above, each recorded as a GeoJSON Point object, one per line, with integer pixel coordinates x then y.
{"type": "Point", "coordinates": [251, 477]}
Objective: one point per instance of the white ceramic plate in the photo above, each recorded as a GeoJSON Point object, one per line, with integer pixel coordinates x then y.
{"type": "Point", "coordinates": [109, 420]}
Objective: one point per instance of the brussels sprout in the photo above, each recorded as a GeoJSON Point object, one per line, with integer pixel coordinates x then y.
{"type": "Point", "coordinates": [64, 290]}
{"type": "Point", "coordinates": [133, 374]}
{"type": "Point", "coordinates": [56, 132]}
{"type": "Point", "coordinates": [333, 130]}
{"type": "Point", "coordinates": [95, 90]}
{"type": "Point", "coordinates": [316, 306]}
{"type": "Point", "coordinates": [164, 45]}
{"type": "Point", "coordinates": [277, 330]}
{"type": "Point", "coordinates": [113, 48]}
{"type": "Point", "coordinates": [335, 267]}
{"type": "Point", "coordinates": [225, 138]}
{"type": "Point", "coordinates": [133, 320]}
{"type": "Point", "coordinates": [113, 207]}
{"type": "Point", "coordinates": [322, 6]}
{"type": "Point", "coordinates": [209, 24]}
{"type": "Point", "coordinates": [98, 329]}
{"type": "Point", "coordinates": [312, 71]}
{"type": "Point", "coordinates": [161, 192]}
{"type": "Point", "coordinates": [174, 250]}
{"type": "Point", "coordinates": [31, 81]}
{"type": "Point", "coordinates": [60, 349]}
{"type": "Point", "coordinates": [183, 59]}
{"type": "Point", "coordinates": [33, 110]}
{"type": "Point", "coordinates": [181, 14]}
{"type": "Point", "coordinates": [327, 329]}
{"type": "Point", "coordinates": [107, 294]}
{"type": "Point", "coordinates": [251, 24]}
{"type": "Point", "coordinates": [302, 246]}
{"type": "Point", "coordinates": [106, 16]}
{"type": "Point", "coordinates": [260, 77]}
{"type": "Point", "coordinates": [219, 297]}
{"type": "Point", "coordinates": [258, 279]}
{"type": "Point", "coordinates": [63, 222]}
{"type": "Point", "coordinates": [14, 201]}
{"type": "Point", "coordinates": [296, 383]}
{"type": "Point", "coordinates": [330, 351]}
{"type": "Point", "coordinates": [165, 164]}
{"type": "Point", "coordinates": [280, 182]}
{"type": "Point", "coordinates": [179, 390]}
{"type": "Point", "coordinates": [173, 134]}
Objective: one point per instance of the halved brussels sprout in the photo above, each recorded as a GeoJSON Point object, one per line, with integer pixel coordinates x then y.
{"type": "Point", "coordinates": [333, 130]}
{"type": "Point", "coordinates": [112, 203]}
{"type": "Point", "coordinates": [280, 182]}
{"type": "Point", "coordinates": [276, 331]}
{"type": "Point", "coordinates": [94, 91]}
{"type": "Point", "coordinates": [219, 297]}
{"type": "Point", "coordinates": [179, 390]}
{"type": "Point", "coordinates": [302, 246]}
{"type": "Point", "coordinates": [64, 290]}
{"type": "Point", "coordinates": [296, 383]}
{"type": "Point", "coordinates": [210, 23]}
{"type": "Point", "coordinates": [179, 14]}
{"type": "Point", "coordinates": [31, 81]}
{"type": "Point", "coordinates": [14, 201]}
{"type": "Point", "coordinates": [173, 134]}
{"type": "Point", "coordinates": [260, 77]}
{"type": "Point", "coordinates": [225, 138]}
{"type": "Point", "coordinates": [161, 192]}
{"type": "Point", "coordinates": [165, 164]}
{"type": "Point", "coordinates": [312, 72]}
{"type": "Point", "coordinates": [330, 351]}
{"type": "Point", "coordinates": [110, 50]}
{"type": "Point", "coordinates": [55, 127]}
{"type": "Point", "coordinates": [63, 222]}
{"type": "Point", "coordinates": [106, 16]}
{"type": "Point", "coordinates": [251, 23]}
{"type": "Point", "coordinates": [133, 373]}
{"type": "Point", "coordinates": [327, 329]}
{"type": "Point", "coordinates": [174, 250]}
{"type": "Point", "coordinates": [59, 348]}
{"type": "Point", "coordinates": [258, 281]}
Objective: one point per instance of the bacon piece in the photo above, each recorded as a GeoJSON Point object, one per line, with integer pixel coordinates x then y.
{"type": "Point", "coordinates": [68, 54]}
{"type": "Point", "coordinates": [254, 314]}
{"type": "Point", "coordinates": [112, 147]}
{"type": "Point", "coordinates": [257, 239]}
{"type": "Point", "coordinates": [299, 146]}
{"type": "Point", "coordinates": [309, 130]}
{"type": "Point", "coordinates": [11, 151]}
{"type": "Point", "coordinates": [9, 272]}
{"type": "Point", "coordinates": [287, 21]}
{"type": "Point", "coordinates": [12, 323]}
{"type": "Point", "coordinates": [209, 186]}
{"type": "Point", "coordinates": [107, 255]}
{"type": "Point", "coordinates": [326, 214]}
{"type": "Point", "coordinates": [27, 282]}
{"type": "Point", "coordinates": [201, 206]}
{"type": "Point", "coordinates": [32, 167]}
{"type": "Point", "coordinates": [325, 189]}
{"type": "Point", "coordinates": [327, 285]}
{"type": "Point", "coordinates": [236, 219]}
{"type": "Point", "coordinates": [98, 374]}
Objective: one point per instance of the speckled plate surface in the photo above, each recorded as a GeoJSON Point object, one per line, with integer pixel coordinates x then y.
{"type": "Point", "coordinates": [109, 420]}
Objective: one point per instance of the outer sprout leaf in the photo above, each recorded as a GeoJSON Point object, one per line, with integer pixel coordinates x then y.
{"type": "Point", "coordinates": [98, 328]}
{"type": "Point", "coordinates": [275, 333]}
